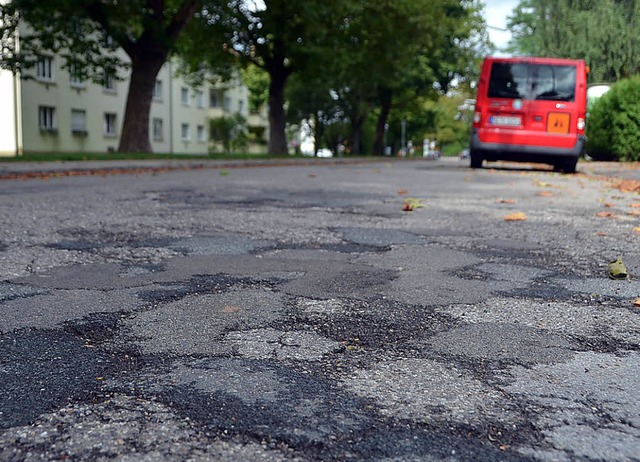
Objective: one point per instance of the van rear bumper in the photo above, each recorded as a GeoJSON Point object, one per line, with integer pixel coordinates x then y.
{"type": "Point", "coordinates": [524, 152]}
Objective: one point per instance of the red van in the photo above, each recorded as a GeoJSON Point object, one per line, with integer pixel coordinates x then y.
{"type": "Point", "coordinates": [530, 110]}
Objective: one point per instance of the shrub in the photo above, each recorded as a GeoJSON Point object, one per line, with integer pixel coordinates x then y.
{"type": "Point", "coordinates": [613, 127]}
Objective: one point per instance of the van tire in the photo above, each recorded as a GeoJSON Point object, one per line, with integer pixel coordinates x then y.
{"type": "Point", "coordinates": [476, 159]}
{"type": "Point", "coordinates": [568, 166]}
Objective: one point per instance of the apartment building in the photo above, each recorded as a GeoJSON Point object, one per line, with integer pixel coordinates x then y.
{"type": "Point", "coordinates": [56, 112]}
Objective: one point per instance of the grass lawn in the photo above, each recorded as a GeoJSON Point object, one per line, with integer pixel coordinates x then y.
{"type": "Point", "coordinates": [70, 156]}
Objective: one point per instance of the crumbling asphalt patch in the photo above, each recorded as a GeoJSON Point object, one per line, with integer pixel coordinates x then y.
{"type": "Point", "coordinates": [503, 342]}
{"type": "Point", "coordinates": [41, 370]}
{"type": "Point", "coordinates": [266, 401]}
{"type": "Point", "coordinates": [9, 291]}
{"type": "Point", "coordinates": [197, 285]}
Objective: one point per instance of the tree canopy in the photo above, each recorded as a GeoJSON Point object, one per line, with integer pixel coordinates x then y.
{"type": "Point", "coordinates": [86, 34]}
{"type": "Point", "coordinates": [605, 33]}
{"type": "Point", "coordinates": [351, 63]}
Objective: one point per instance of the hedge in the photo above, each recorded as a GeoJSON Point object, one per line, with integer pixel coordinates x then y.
{"type": "Point", "coordinates": [613, 123]}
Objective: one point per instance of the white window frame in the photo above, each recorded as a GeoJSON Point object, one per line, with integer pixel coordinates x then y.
{"type": "Point", "coordinates": [213, 98]}
{"type": "Point", "coordinates": [110, 120]}
{"type": "Point", "coordinates": [199, 98]}
{"type": "Point", "coordinates": [45, 69]}
{"type": "Point", "coordinates": [202, 137]}
{"type": "Point", "coordinates": [157, 90]}
{"type": "Point", "coordinates": [184, 96]}
{"type": "Point", "coordinates": [185, 134]}
{"type": "Point", "coordinates": [47, 118]}
{"type": "Point", "coordinates": [157, 128]}
{"type": "Point", "coordinates": [74, 80]}
{"type": "Point", "coordinates": [109, 85]}
{"type": "Point", "coordinates": [78, 121]}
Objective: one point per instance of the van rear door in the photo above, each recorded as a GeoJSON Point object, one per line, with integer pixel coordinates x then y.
{"type": "Point", "coordinates": [530, 103]}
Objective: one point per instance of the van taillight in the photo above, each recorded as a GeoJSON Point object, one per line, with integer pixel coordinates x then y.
{"type": "Point", "coordinates": [581, 123]}
{"type": "Point", "coordinates": [477, 116]}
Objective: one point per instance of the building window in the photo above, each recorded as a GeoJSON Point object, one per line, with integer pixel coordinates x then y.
{"type": "Point", "coordinates": [78, 122]}
{"type": "Point", "coordinates": [109, 124]}
{"type": "Point", "coordinates": [157, 90]}
{"type": "Point", "coordinates": [199, 98]}
{"type": "Point", "coordinates": [184, 95]}
{"type": "Point", "coordinates": [109, 82]}
{"type": "Point", "coordinates": [75, 78]}
{"type": "Point", "coordinates": [201, 135]}
{"type": "Point", "coordinates": [227, 103]}
{"type": "Point", "coordinates": [45, 68]}
{"type": "Point", "coordinates": [157, 129]}
{"type": "Point", "coordinates": [47, 118]}
{"type": "Point", "coordinates": [185, 132]}
{"type": "Point", "coordinates": [240, 106]}
{"type": "Point", "coordinates": [213, 98]}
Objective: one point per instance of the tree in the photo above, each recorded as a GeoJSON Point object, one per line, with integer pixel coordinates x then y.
{"type": "Point", "coordinates": [279, 36]}
{"type": "Point", "coordinates": [146, 30]}
{"type": "Point", "coordinates": [605, 33]}
{"type": "Point", "coordinates": [397, 53]}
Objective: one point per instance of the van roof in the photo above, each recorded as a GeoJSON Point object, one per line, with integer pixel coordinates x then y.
{"type": "Point", "coordinates": [534, 59]}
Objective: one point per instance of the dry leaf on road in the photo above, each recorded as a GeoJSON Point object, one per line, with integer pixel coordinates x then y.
{"type": "Point", "coordinates": [518, 216]}
{"type": "Point", "coordinates": [505, 201]}
{"type": "Point", "coordinates": [605, 214]}
{"type": "Point", "coordinates": [411, 203]}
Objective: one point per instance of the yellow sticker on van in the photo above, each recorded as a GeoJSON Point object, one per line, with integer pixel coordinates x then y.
{"type": "Point", "coordinates": [558, 122]}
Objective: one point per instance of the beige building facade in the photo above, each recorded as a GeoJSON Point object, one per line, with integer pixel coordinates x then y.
{"type": "Point", "coordinates": [56, 113]}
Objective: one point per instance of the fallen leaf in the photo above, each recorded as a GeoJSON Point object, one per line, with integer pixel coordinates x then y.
{"type": "Point", "coordinates": [634, 213]}
{"type": "Point", "coordinates": [545, 194]}
{"type": "Point", "coordinates": [605, 214]}
{"type": "Point", "coordinates": [542, 184]}
{"type": "Point", "coordinates": [224, 173]}
{"type": "Point", "coordinates": [401, 192]}
{"type": "Point", "coordinates": [608, 204]}
{"type": "Point", "coordinates": [230, 309]}
{"type": "Point", "coordinates": [636, 230]}
{"type": "Point", "coordinates": [635, 205]}
{"type": "Point", "coordinates": [518, 216]}
{"type": "Point", "coordinates": [411, 203]}
{"type": "Point", "coordinates": [627, 185]}
{"type": "Point", "coordinates": [601, 233]}
{"type": "Point", "coordinates": [636, 302]}
{"type": "Point", "coordinates": [311, 175]}
{"type": "Point", "coordinates": [505, 201]}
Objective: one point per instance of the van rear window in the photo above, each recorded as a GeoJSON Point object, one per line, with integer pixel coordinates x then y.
{"type": "Point", "coordinates": [532, 81]}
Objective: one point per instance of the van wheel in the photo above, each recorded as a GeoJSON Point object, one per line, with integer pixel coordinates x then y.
{"type": "Point", "coordinates": [476, 160]}
{"type": "Point", "coordinates": [568, 166]}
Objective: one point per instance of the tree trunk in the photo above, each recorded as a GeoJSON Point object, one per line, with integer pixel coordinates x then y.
{"type": "Point", "coordinates": [356, 134]}
{"type": "Point", "coordinates": [385, 109]}
{"type": "Point", "coordinates": [277, 121]}
{"type": "Point", "coordinates": [135, 126]}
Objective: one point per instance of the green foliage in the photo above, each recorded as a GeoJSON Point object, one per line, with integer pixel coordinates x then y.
{"type": "Point", "coordinates": [257, 81]}
{"type": "Point", "coordinates": [613, 127]}
{"type": "Point", "coordinates": [605, 33]}
{"type": "Point", "coordinates": [230, 132]}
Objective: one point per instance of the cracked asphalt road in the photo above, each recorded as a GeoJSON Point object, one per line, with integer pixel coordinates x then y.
{"type": "Point", "coordinates": [297, 313]}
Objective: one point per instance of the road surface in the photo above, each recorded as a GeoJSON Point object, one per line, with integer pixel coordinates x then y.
{"type": "Point", "coordinates": [300, 312]}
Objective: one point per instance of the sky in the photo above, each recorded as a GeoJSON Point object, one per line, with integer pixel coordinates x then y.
{"type": "Point", "coordinates": [496, 12]}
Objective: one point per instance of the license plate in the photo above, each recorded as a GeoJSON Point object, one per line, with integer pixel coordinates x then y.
{"type": "Point", "coordinates": [505, 121]}
{"type": "Point", "coordinates": [558, 122]}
